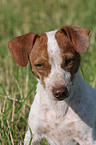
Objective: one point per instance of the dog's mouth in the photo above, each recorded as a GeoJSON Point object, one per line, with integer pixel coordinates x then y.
{"type": "Point", "coordinates": [61, 98]}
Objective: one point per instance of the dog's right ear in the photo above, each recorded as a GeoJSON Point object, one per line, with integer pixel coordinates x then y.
{"type": "Point", "coordinates": [21, 46]}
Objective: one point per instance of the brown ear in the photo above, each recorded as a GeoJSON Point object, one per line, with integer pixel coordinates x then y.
{"type": "Point", "coordinates": [20, 48]}
{"type": "Point", "coordinates": [78, 36]}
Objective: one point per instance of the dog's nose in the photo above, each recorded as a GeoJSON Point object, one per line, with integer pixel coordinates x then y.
{"type": "Point", "coordinates": [60, 93]}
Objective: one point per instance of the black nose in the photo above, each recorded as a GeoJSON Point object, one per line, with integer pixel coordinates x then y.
{"type": "Point", "coordinates": [60, 93]}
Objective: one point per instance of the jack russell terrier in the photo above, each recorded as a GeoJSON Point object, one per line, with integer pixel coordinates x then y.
{"type": "Point", "coordinates": [64, 107]}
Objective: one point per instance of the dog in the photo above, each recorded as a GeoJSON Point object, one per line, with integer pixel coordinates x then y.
{"type": "Point", "coordinates": [64, 107]}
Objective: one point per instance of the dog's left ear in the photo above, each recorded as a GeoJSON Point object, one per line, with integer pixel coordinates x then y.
{"type": "Point", "coordinates": [21, 46]}
{"type": "Point", "coordinates": [78, 36]}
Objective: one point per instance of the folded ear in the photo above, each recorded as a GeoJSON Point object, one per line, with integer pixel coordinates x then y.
{"type": "Point", "coordinates": [78, 36]}
{"type": "Point", "coordinates": [20, 48]}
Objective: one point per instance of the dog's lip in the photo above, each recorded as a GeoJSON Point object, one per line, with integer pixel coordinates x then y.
{"type": "Point", "coordinates": [62, 98]}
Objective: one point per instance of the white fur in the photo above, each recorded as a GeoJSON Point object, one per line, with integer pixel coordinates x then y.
{"type": "Point", "coordinates": [62, 122]}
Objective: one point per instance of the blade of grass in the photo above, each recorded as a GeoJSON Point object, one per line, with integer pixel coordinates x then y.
{"type": "Point", "coordinates": [23, 103]}
{"type": "Point", "coordinates": [31, 135]}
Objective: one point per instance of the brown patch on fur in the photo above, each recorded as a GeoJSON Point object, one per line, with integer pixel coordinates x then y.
{"type": "Point", "coordinates": [53, 134]}
{"type": "Point", "coordinates": [70, 125]}
{"type": "Point", "coordinates": [39, 57]}
{"type": "Point", "coordinates": [48, 126]}
{"type": "Point", "coordinates": [67, 132]}
{"type": "Point", "coordinates": [68, 53]}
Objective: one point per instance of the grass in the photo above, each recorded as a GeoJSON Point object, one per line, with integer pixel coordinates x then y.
{"type": "Point", "coordinates": [17, 84]}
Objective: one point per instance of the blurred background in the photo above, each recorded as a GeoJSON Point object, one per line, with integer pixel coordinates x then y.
{"type": "Point", "coordinates": [17, 84]}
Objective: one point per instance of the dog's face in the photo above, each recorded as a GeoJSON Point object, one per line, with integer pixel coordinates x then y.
{"type": "Point", "coordinates": [54, 57]}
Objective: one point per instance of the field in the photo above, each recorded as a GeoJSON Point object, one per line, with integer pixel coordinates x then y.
{"type": "Point", "coordinates": [17, 84]}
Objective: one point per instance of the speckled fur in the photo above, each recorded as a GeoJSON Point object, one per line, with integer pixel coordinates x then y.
{"type": "Point", "coordinates": [66, 122]}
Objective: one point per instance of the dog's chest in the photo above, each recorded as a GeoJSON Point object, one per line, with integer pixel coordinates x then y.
{"type": "Point", "coordinates": [59, 129]}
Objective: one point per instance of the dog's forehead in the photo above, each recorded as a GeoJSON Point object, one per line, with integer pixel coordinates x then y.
{"type": "Point", "coordinates": [53, 48]}
{"type": "Point", "coordinates": [51, 41]}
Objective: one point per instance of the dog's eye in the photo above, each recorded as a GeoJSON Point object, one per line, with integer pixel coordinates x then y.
{"type": "Point", "coordinates": [39, 66]}
{"type": "Point", "coordinates": [69, 61]}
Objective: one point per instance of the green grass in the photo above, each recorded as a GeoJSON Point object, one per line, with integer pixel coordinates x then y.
{"type": "Point", "coordinates": [17, 84]}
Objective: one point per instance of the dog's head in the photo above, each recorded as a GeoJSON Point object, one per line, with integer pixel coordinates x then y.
{"type": "Point", "coordinates": [54, 57]}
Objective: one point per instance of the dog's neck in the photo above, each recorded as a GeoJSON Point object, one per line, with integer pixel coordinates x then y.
{"type": "Point", "coordinates": [60, 108]}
